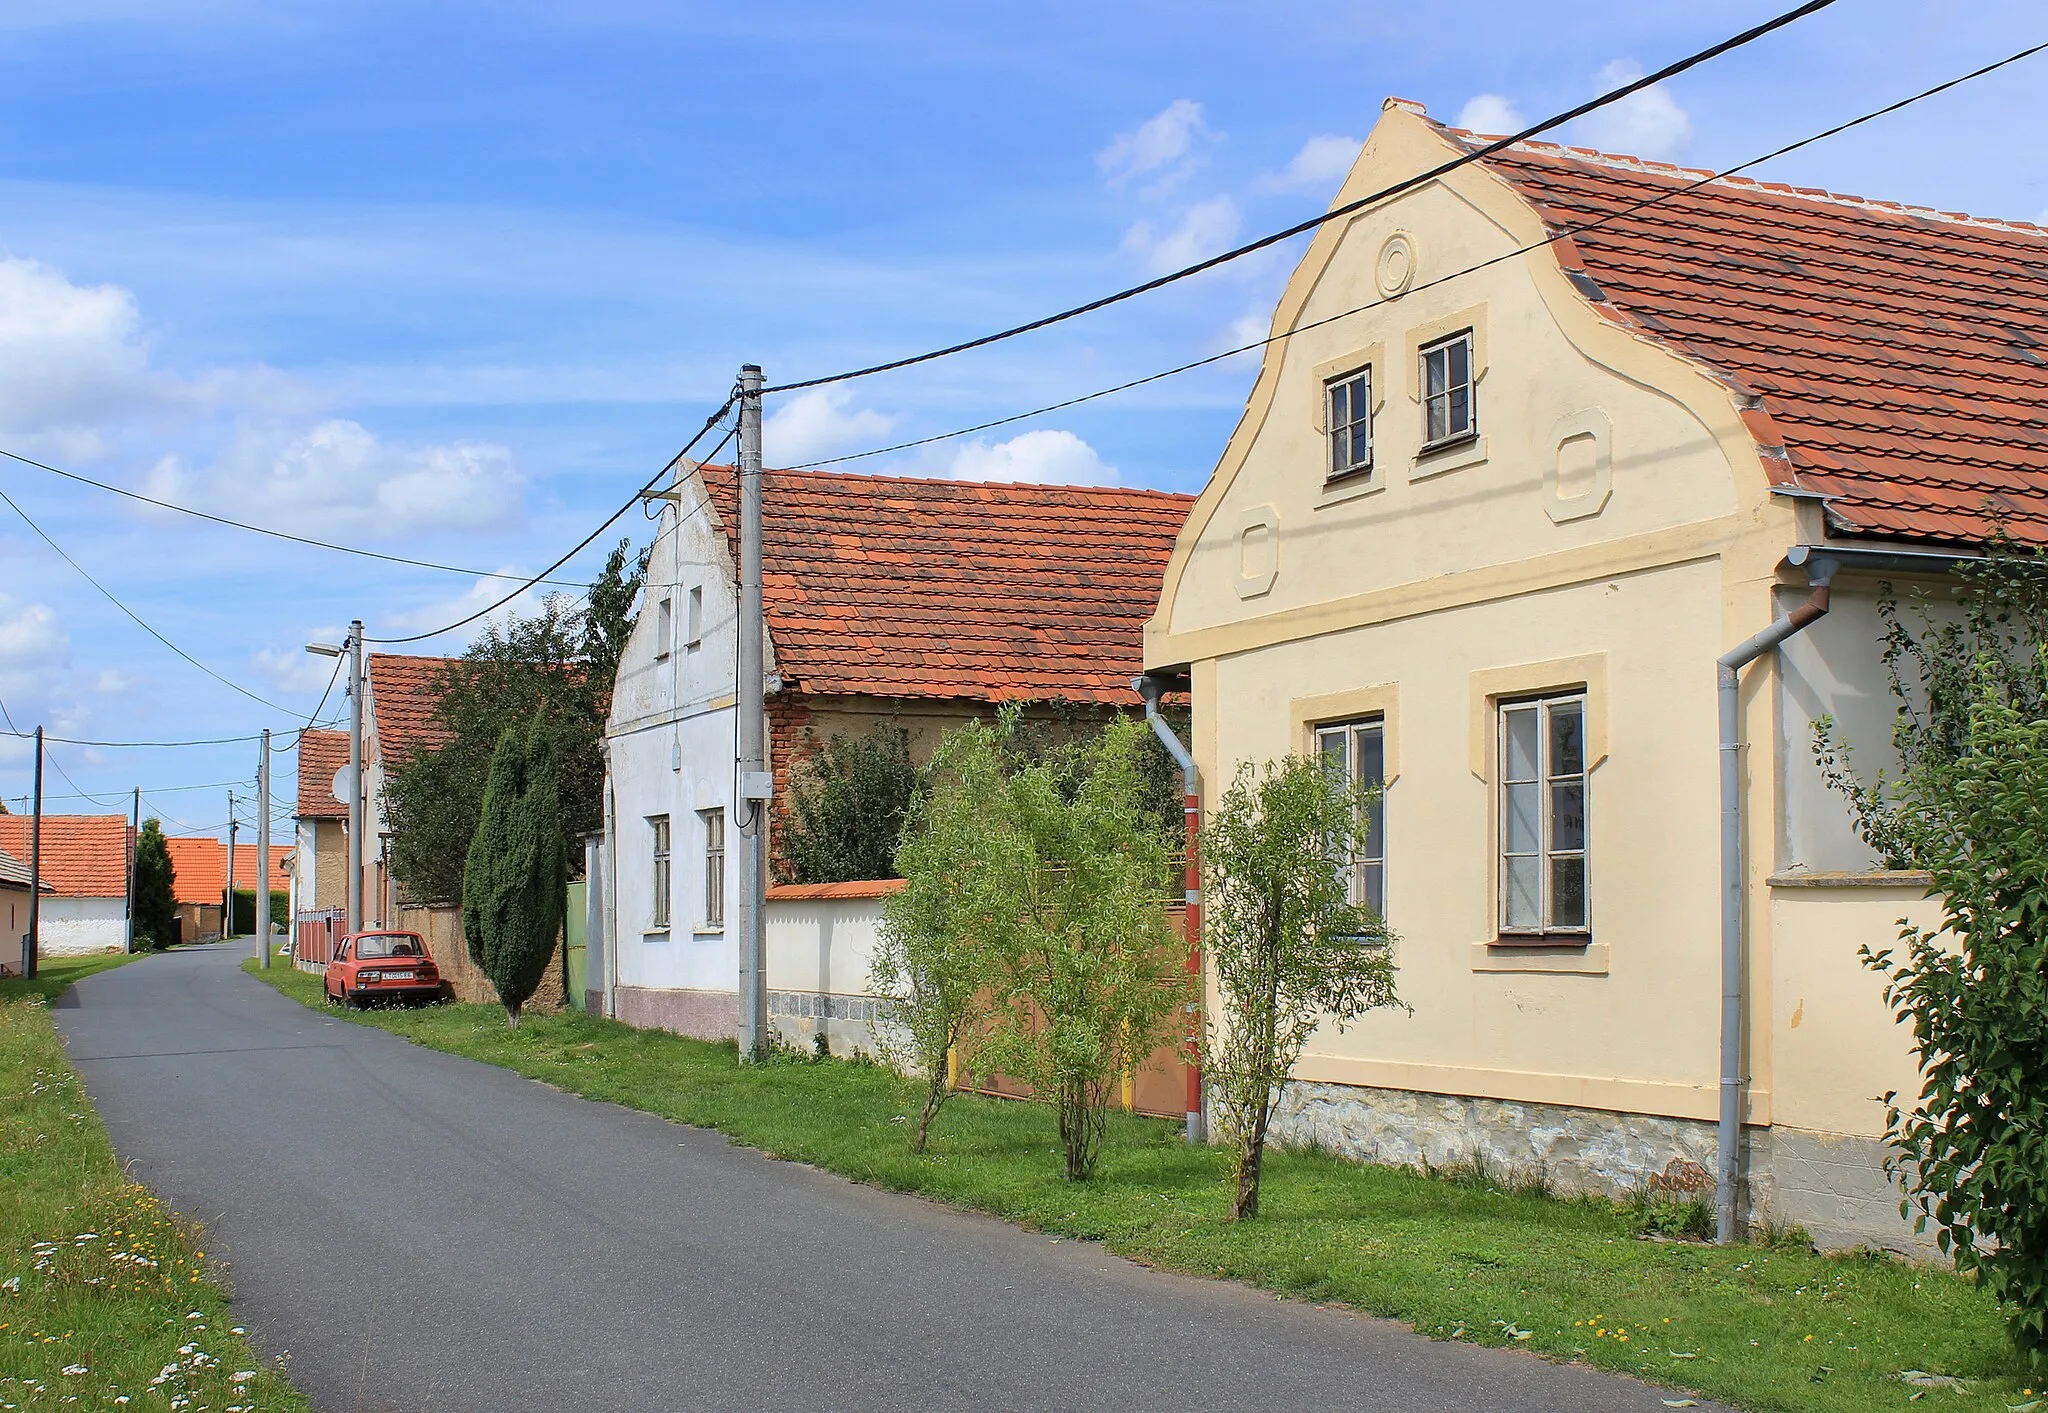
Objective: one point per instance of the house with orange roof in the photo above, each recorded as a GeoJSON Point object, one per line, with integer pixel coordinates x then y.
{"type": "Point", "coordinates": [1538, 441]}
{"type": "Point", "coordinates": [918, 602]}
{"type": "Point", "coordinates": [85, 859]}
{"type": "Point", "coordinates": [320, 824]}
{"type": "Point", "coordinates": [14, 896]}
{"type": "Point", "coordinates": [199, 880]}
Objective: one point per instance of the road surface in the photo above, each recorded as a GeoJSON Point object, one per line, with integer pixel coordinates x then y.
{"type": "Point", "coordinates": [425, 1232]}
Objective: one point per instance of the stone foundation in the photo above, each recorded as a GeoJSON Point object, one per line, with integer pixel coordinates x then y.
{"type": "Point", "coordinates": [702, 1015]}
{"type": "Point", "coordinates": [1832, 1185]}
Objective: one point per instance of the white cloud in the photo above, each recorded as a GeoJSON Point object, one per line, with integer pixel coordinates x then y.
{"type": "Point", "coordinates": [35, 663]}
{"type": "Point", "coordinates": [1162, 143]}
{"type": "Point", "coordinates": [1205, 229]}
{"type": "Point", "coordinates": [1251, 327]}
{"type": "Point", "coordinates": [72, 357]}
{"type": "Point", "coordinates": [1324, 161]}
{"type": "Point", "coordinates": [1491, 114]}
{"type": "Point", "coordinates": [1645, 124]}
{"type": "Point", "coordinates": [817, 424]}
{"type": "Point", "coordinates": [1054, 458]}
{"type": "Point", "coordinates": [293, 669]}
{"type": "Point", "coordinates": [482, 592]}
{"type": "Point", "coordinates": [338, 477]}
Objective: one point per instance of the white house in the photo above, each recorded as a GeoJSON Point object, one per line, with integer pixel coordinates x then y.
{"type": "Point", "coordinates": [84, 860]}
{"type": "Point", "coordinates": [921, 602]}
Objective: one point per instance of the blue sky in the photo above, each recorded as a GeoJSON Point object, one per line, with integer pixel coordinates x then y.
{"type": "Point", "coordinates": [448, 280]}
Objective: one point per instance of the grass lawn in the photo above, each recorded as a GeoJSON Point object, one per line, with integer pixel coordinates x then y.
{"type": "Point", "coordinates": [104, 1297]}
{"type": "Point", "coordinates": [1761, 1327]}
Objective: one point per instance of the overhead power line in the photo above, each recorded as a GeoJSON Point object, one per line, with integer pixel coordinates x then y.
{"type": "Point", "coordinates": [274, 534]}
{"type": "Point", "coordinates": [116, 602]}
{"type": "Point", "coordinates": [709, 422]}
{"type": "Point", "coordinates": [1557, 120]}
{"type": "Point", "coordinates": [1555, 236]}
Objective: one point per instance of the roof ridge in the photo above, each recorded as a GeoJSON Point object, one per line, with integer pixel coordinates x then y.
{"type": "Point", "coordinates": [1622, 161]}
{"type": "Point", "coordinates": [821, 474]}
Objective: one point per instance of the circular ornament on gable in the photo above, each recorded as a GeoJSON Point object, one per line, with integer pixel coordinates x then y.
{"type": "Point", "coordinates": [1395, 268]}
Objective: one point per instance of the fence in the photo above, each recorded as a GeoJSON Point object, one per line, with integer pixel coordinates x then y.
{"type": "Point", "coordinates": [314, 935]}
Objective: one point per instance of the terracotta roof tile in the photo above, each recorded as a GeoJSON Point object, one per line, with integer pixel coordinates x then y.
{"type": "Point", "coordinates": [199, 866]}
{"type": "Point", "coordinates": [402, 696]}
{"type": "Point", "coordinates": [902, 587]}
{"type": "Point", "coordinates": [1901, 353]}
{"type": "Point", "coordinates": [321, 754]}
{"type": "Point", "coordinates": [83, 855]}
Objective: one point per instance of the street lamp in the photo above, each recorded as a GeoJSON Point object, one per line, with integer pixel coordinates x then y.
{"type": "Point", "coordinates": [353, 646]}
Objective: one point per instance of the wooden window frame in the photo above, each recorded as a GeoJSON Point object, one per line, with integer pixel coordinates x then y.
{"type": "Point", "coordinates": [1361, 866]}
{"type": "Point", "coordinates": [1356, 387]}
{"type": "Point", "coordinates": [1470, 431]}
{"type": "Point", "coordinates": [1546, 782]}
{"type": "Point", "coordinates": [714, 868]}
{"type": "Point", "coordinates": [663, 859]}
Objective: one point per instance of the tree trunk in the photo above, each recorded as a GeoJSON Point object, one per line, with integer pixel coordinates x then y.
{"type": "Point", "coordinates": [935, 1095]}
{"type": "Point", "coordinates": [512, 1017]}
{"type": "Point", "coordinates": [1250, 1168]}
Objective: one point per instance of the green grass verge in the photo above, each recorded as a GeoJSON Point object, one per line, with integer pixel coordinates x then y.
{"type": "Point", "coordinates": [1761, 1327]}
{"type": "Point", "coordinates": [105, 1300]}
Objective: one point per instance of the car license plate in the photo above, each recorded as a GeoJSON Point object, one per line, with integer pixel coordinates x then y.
{"type": "Point", "coordinates": [398, 976]}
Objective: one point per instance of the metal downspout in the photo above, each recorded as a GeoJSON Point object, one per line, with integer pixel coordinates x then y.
{"type": "Point", "coordinates": [1151, 688]}
{"type": "Point", "coordinates": [1727, 1174]}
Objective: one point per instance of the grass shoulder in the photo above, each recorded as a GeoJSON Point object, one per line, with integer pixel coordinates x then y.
{"type": "Point", "coordinates": [1461, 1257]}
{"type": "Point", "coordinates": [105, 1295]}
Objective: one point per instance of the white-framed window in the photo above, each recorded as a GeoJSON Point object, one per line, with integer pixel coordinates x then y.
{"type": "Point", "coordinates": [714, 867]}
{"type": "Point", "coordinates": [664, 628]}
{"type": "Point", "coordinates": [1348, 405]}
{"type": "Point", "coordinates": [1449, 411]}
{"type": "Point", "coordinates": [1545, 882]}
{"type": "Point", "coordinates": [659, 826]}
{"type": "Point", "coordinates": [1357, 750]}
{"type": "Point", "coordinates": [693, 620]}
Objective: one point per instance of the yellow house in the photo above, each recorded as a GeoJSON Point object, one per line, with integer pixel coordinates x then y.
{"type": "Point", "coordinates": [1536, 444]}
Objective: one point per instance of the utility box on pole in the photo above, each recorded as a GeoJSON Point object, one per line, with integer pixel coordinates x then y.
{"type": "Point", "coordinates": [752, 806]}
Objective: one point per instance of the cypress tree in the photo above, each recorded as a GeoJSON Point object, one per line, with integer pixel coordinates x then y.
{"type": "Point", "coordinates": [155, 906]}
{"type": "Point", "coordinates": [514, 882]}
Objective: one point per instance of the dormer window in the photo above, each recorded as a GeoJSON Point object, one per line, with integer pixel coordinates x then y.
{"type": "Point", "coordinates": [1349, 400]}
{"type": "Point", "coordinates": [1448, 412]}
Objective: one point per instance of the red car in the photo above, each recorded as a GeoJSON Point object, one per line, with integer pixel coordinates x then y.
{"type": "Point", "coordinates": [382, 966]}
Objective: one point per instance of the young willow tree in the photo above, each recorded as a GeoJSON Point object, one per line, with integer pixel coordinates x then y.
{"type": "Point", "coordinates": [846, 808]}
{"type": "Point", "coordinates": [1066, 886]}
{"type": "Point", "coordinates": [156, 905]}
{"type": "Point", "coordinates": [514, 885]}
{"type": "Point", "coordinates": [1290, 950]}
{"type": "Point", "coordinates": [932, 963]}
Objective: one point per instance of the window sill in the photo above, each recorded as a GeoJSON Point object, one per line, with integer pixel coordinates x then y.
{"type": "Point", "coordinates": [1439, 457]}
{"type": "Point", "coordinates": [718, 931]}
{"type": "Point", "coordinates": [654, 934]}
{"type": "Point", "coordinates": [1541, 955]}
{"type": "Point", "coordinates": [1868, 878]}
{"type": "Point", "coordinates": [1350, 486]}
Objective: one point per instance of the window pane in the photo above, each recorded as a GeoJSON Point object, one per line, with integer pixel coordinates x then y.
{"type": "Point", "coordinates": [1374, 888]}
{"type": "Point", "coordinates": [1434, 368]}
{"type": "Point", "coordinates": [1520, 821]}
{"type": "Point", "coordinates": [1376, 830]}
{"type": "Point", "coordinates": [1372, 756]}
{"type": "Point", "coordinates": [1459, 358]}
{"type": "Point", "coordinates": [1567, 816]}
{"type": "Point", "coordinates": [1459, 417]}
{"type": "Point", "coordinates": [1335, 757]}
{"type": "Point", "coordinates": [1518, 880]}
{"type": "Point", "coordinates": [1435, 427]}
{"type": "Point", "coordinates": [1568, 892]}
{"type": "Point", "coordinates": [1340, 406]}
{"type": "Point", "coordinates": [1520, 743]}
{"type": "Point", "coordinates": [1568, 739]}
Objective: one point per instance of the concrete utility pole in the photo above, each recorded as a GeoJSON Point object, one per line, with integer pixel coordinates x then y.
{"type": "Point", "coordinates": [134, 833]}
{"type": "Point", "coordinates": [755, 787]}
{"type": "Point", "coordinates": [227, 917]}
{"type": "Point", "coordinates": [31, 950]}
{"type": "Point", "coordinates": [355, 776]}
{"type": "Point", "coordinates": [263, 851]}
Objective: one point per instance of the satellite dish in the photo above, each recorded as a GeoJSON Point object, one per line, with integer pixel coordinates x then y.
{"type": "Point", "coordinates": [344, 784]}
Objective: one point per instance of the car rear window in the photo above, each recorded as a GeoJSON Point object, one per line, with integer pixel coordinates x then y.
{"type": "Point", "coordinates": [376, 947]}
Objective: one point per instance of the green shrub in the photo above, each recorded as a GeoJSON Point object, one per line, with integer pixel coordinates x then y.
{"type": "Point", "coordinates": [846, 807]}
{"type": "Point", "coordinates": [156, 907]}
{"type": "Point", "coordinates": [515, 882]}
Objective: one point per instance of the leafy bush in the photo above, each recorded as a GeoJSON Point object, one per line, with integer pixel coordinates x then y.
{"type": "Point", "coordinates": [1975, 993]}
{"type": "Point", "coordinates": [1290, 949]}
{"type": "Point", "coordinates": [515, 883]}
{"type": "Point", "coordinates": [846, 808]}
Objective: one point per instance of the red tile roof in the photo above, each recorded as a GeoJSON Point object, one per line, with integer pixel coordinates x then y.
{"type": "Point", "coordinates": [1900, 354]}
{"type": "Point", "coordinates": [83, 855]}
{"type": "Point", "coordinates": [321, 754]}
{"type": "Point", "coordinates": [14, 873]}
{"type": "Point", "coordinates": [902, 587]}
{"type": "Point", "coordinates": [199, 865]}
{"type": "Point", "coordinates": [403, 691]}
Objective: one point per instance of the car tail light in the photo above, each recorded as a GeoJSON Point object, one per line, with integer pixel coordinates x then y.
{"type": "Point", "coordinates": [369, 976]}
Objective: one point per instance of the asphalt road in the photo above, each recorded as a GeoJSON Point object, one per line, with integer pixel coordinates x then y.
{"type": "Point", "coordinates": [425, 1232]}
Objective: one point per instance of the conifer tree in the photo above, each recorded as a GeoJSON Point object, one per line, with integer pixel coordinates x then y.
{"type": "Point", "coordinates": [514, 884]}
{"type": "Point", "coordinates": [155, 906]}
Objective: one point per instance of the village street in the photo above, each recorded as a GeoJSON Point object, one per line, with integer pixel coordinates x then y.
{"type": "Point", "coordinates": [425, 1232]}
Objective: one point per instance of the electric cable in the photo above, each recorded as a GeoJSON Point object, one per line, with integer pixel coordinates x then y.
{"type": "Point", "coordinates": [1550, 239]}
{"type": "Point", "coordinates": [156, 790]}
{"type": "Point", "coordinates": [709, 422]}
{"type": "Point", "coordinates": [266, 530]}
{"type": "Point", "coordinates": [1615, 95]}
{"type": "Point", "coordinates": [110, 597]}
